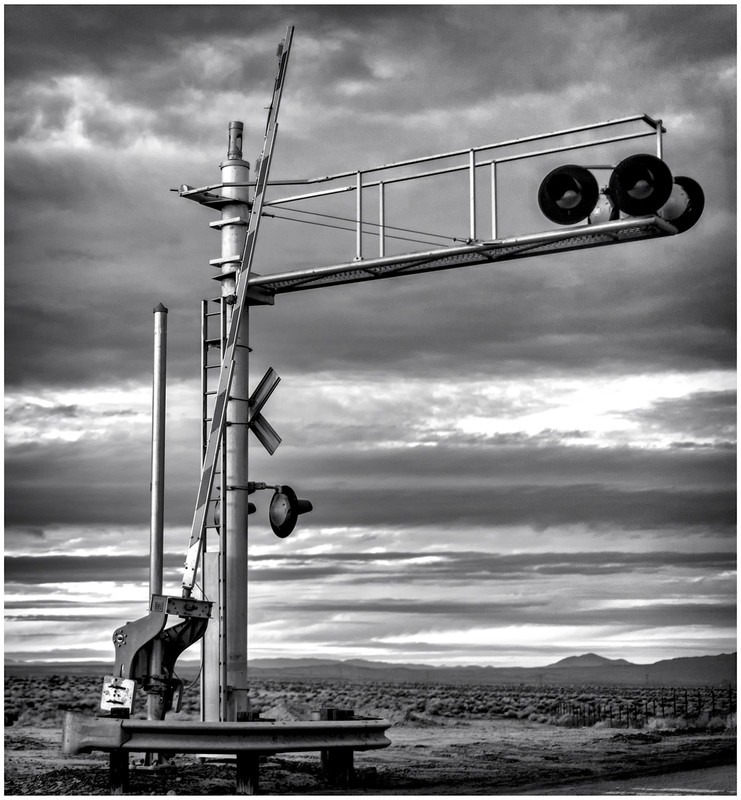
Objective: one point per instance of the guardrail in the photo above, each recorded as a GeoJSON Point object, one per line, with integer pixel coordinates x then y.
{"type": "Point", "coordinates": [336, 739]}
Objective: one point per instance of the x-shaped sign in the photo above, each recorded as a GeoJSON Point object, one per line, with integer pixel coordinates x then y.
{"type": "Point", "coordinates": [264, 431]}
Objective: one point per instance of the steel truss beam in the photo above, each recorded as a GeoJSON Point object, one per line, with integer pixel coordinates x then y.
{"type": "Point", "coordinates": [555, 241]}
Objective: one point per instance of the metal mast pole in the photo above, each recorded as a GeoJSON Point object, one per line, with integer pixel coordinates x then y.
{"type": "Point", "coordinates": [231, 415]}
{"type": "Point", "coordinates": [155, 701]}
{"type": "Point", "coordinates": [233, 224]}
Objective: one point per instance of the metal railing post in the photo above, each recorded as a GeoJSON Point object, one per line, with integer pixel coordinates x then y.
{"type": "Point", "coordinates": [472, 193]}
{"type": "Point", "coordinates": [381, 219]}
{"type": "Point", "coordinates": [493, 199]}
{"type": "Point", "coordinates": [359, 216]}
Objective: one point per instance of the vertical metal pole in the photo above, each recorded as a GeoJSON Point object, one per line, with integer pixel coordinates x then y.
{"type": "Point", "coordinates": [155, 701]}
{"type": "Point", "coordinates": [228, 427]}
{"type": "Point", "coordinates": [359, 217]}
{"type": "Point", "coordinates": [159, 398]}
{"type": "Point", "coordinates": [659, 140]}
{"type": "Point", "coordinates": [493, 199]}
{"type": "Point", "coordinates": [381, 219]}
{"type": "Point", "coordinates": [472, 192]}
{"type": "Point", "coordinates": [235, 219]}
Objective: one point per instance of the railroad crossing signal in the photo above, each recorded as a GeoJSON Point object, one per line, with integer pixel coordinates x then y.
{"type": "Point", "coordinates": [641, 202]}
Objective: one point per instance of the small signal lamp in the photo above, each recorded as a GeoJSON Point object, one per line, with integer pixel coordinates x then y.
{"type": "Point", "coordinates": [285, 508]}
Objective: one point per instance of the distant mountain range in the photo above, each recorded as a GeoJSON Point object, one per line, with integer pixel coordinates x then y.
{"type": "Point", "coordinates": [590, 669]}
{"type": "Point", "coordinates": [584, 669]}
{"type": "Point", "coordinates": [589, 660]}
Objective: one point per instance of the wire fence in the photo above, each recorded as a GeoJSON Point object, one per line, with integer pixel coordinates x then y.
{"type": "Point", "coordinates": [662, 704]}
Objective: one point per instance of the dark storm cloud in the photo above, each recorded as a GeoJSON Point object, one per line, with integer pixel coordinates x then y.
{"type": "Point", "coordinates": [16, 605]}
{"type": "Point", "coordinates": [114, 490]}
{"type": "Point", "coordinates": [488, 613]}
{"type": "Point", "coordinates": [416, 650]}
{"type": "Point", "coordinates": [68, 618]}
{"type": "Point", "coordinates": [109, 107]}
{"type": "Point", "coordinates": [697, 32]}
{"type": "Point", "coordinates": [148, 59]}
{"type": "Point", "coordinates": [444, 565]}
{"type": "Point", "coordinates": [601, 508]}
{"type": "Point", "coordinates": [110, 38]}
{"type": "Point", "coordinates": [57, 654]}
{"type": "Point", "coordinates": [447, 566]}
{"type": "Point", "coordinates": [93, 281]}
{"type": "Point", "coordinates": [490, 484]}
{"type": "Point", "coordinates": [495, 463]}
{"type": "Point", "coordinates": [34, 533]}
{"type": "Point", "coordinates": [670, 316]}
{"type": "Point", "coordinates": [522, 562]}
{"type": "Point", "coordinates": [701, 415]}
{"type": "Point", "coordinates": [76, 569]}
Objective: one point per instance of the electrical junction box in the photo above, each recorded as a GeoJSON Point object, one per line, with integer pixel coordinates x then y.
{"type": "Point", "coordinates": [181, 606]}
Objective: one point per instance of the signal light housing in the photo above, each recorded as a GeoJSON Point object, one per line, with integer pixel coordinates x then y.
{"type": "Point", "coordinates": [285, 508]}
{"type": "Point", "coordinates": [568, 194]}
{"type": "Point", "coordinates": [604, 211]}
{"type": "Point", "coordinates": [640, 185]}
{"type": "Point", "coordinates": [685, 204]}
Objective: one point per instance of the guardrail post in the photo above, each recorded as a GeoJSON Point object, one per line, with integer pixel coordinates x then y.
{"type": "Point", "coordinates": [119, 771]}
{"type": "Point", "coordinates": [338, 764]}
{"type": "Point", "coordinates": [248, 773]}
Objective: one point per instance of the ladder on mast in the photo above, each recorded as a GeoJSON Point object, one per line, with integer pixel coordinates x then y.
{"type": "Point", "coordinates": [213, 344]}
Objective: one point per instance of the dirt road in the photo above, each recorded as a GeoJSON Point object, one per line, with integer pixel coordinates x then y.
{"type": "Point", "coordinates": [720, 780]}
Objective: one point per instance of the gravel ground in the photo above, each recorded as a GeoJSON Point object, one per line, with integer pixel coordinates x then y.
{"type": "Point", "coordinates": [458, 757]}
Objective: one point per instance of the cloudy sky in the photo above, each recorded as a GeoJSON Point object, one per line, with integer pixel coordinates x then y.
{"type": "Point", "coordinates": [509, 464]}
